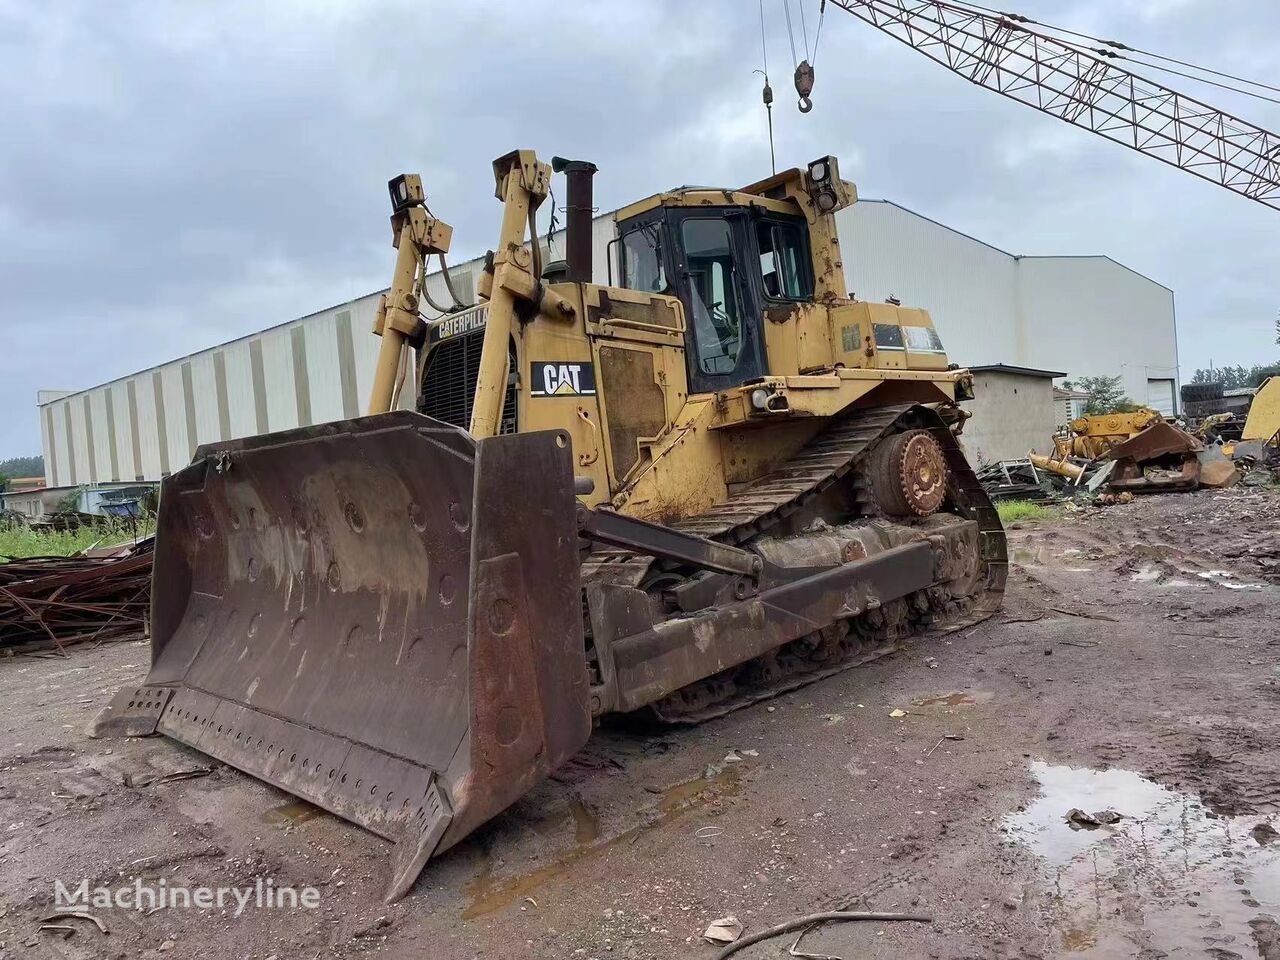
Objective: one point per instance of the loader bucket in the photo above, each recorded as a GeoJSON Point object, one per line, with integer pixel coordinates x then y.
{"type": "Point", "coordinates": [382, 616]}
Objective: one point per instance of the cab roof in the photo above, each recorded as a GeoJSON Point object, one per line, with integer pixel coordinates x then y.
{"type": "Point", "coordinates": [708, 197]}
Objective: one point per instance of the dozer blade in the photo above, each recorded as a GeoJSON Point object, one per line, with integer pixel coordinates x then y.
{"type": "Point", "coordinates": [382, 616]}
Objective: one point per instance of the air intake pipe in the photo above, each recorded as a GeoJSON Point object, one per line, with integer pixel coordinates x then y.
{"type": "Point", "coordinates": [579, 206]}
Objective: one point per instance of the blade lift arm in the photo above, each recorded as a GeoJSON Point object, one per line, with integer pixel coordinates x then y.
{"type": "Point", "coordinates": [416, 235]}
{"type": "Point", "coordinates": [511, 283]}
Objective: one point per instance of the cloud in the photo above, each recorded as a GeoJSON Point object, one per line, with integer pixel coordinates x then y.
{"type": "Point", "coordinates": [175, 175]}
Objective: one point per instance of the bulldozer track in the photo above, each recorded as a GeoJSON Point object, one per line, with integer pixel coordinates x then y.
{"type": "Point", "coordinates": [826, 459]}
{"type": "Point", "coordinates": [821, 462]}
{"type": "Point", "coordinates": [766, 501]}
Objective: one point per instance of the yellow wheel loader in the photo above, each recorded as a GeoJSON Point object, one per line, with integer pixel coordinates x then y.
{"type": "Point", "coordinates": [717, 478]}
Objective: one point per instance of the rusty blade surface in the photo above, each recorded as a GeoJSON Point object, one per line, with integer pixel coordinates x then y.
{"type": "Point", "coordinates": [380, 615]}
{"type": "Point", "coordinates": [1158, 440]}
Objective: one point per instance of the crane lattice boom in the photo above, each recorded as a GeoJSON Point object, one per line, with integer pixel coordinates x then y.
{"type": "Point", "coordinates": [1083, 88]}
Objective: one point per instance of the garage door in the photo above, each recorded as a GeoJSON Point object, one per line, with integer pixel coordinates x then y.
{"type": "Point", "coordinates": [1160, 396]}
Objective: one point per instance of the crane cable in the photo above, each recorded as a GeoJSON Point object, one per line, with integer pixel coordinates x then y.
{"type": "Point", "coordinates": [1117, 45]}
{"type": "Point", "coordinates": [817, 36]}
{"type": "Point", "coordinates": [891, 8]}
{"type": "Point", "coordinates": [804, 68]}
{"type": "Point", "coordinates": [767, 93]}
{"type": "Point", "coordinates": [1124, 46]}
{"type": "Point", "coordinates": [786, 8]}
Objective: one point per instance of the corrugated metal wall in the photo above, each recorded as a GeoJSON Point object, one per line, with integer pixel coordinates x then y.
{"type": "Point", "coordinates": [1087, 315]}
{"type": "Point", "coordinates": [968, 287]}
{"type": "Point", "coordinates": [1093, 317]}
{"type": "Point", "coordinates": [147, 425]}
{"type": "Point", "coordinates": [312, 370]}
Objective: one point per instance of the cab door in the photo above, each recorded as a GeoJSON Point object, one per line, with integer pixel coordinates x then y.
{"type": "Point", "coordinates": [724, 317]}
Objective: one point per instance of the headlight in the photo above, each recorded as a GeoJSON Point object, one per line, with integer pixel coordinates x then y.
{"type": "Point", "coordinates": [760, 398]}
{"type": "Point", "coordinates": [406, 191]}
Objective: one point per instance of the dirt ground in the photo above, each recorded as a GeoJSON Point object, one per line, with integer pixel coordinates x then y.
{"type": "Point", "coordinates": [1133, 669]}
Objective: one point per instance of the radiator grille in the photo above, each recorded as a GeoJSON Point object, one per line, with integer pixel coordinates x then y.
{"type": "Point", "coordinates": [449, 382]}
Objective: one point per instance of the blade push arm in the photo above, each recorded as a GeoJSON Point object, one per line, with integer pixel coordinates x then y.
{"type": "Point", "coordinates": [511, 282]}
{"type": "Point", "coordinates": [522, 183]}
{"type": "Point", "coordinates": [416, 235]}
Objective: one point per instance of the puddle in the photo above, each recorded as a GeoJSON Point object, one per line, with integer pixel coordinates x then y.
{"type": "Point", "coordinates": [1225, 578]}
{"type": "Point", "coordinates": [295, 811]}
{"type": "Point", "coordinates": [1147, 573]}
{"type": "Point", "coordinates": [586, 825]}
{"type": "Point", "coordinates": [957, 698]}
{"type": "Point", "coordinates": [1161, 576]}
{"type": "Point", "coordinates": [1032, 556]}
{"type": "Point", "coordinates": [1154, 573]}
{"type": "Point", "coordinates": [1029, 556]}
{"type": "Point", "coordinates": [489, 894]}
{"type": "Point", "coordinates": [1170, 876]}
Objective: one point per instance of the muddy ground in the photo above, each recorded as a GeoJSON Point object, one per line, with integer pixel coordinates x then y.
{"type": "Point", "coordinates": [1133, 669]}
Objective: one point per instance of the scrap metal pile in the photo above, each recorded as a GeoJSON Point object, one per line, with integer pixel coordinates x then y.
{"type": "Point", "coordinates": [50, 603]}
{"type": "Point", "coordinates": [1108, 458]}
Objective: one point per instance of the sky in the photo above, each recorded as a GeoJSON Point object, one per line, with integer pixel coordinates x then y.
{"type": "Point", "coordinates": [175, 175]}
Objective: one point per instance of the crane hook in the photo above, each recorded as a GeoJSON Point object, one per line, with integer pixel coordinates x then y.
{"type": "Point", "coordinates": [804, 85]}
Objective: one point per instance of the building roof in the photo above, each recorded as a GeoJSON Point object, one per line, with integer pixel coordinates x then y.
{"type": "Point", "coordinates": [1016, 371]}
{"type": "Point", "coordinates": [1015, 256]}
{"type": "Point", "coordinates": [29, 493]}
{"type": "Point", "coordinates": [103, 485]}
{"type": "Point", "coordinates": [1061, 393]}
{"type": "Point", "coordinates": [45, 397]}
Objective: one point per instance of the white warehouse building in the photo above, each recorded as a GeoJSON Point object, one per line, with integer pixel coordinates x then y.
{"type": "Point", "coordinates": [1085, 315]}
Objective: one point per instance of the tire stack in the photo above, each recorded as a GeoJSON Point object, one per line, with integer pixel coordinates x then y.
{"type": "Point", "coordinates": [1203, 399]}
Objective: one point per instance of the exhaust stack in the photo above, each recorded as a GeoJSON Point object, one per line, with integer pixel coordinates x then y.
{"type": "Point", "coordinates": [580, 206]}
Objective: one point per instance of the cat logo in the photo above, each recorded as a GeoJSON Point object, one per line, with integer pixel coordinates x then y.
{"type": "Point", "coordinates": [562, 380]}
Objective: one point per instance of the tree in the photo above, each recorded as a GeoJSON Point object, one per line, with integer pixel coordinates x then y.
{"type": "Point", "coordinates": [70, 502]}
{"type": "Point", "coordinates": [1106, 395]}
{"type": "Point", "coordinates": [1232, 377]}
{"type": "Point", "coordinates": [23, 467]}
{"type": "Point", "coordinates": [1258, 374]}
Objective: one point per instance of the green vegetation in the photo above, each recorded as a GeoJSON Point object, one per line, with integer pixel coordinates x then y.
{"type": "Point", "coordinates": [22, 467]}
{"type": "Point", "coordinates": [69, 502]}
{"type": "Point", "coordinates": [1106, 394]}
{"type": "Point", "coordinates": [1230, 377]}
{"type": "Point", "coordinates": [17, 540]}
{"type": "Point", "coordinates": [1011, 510]}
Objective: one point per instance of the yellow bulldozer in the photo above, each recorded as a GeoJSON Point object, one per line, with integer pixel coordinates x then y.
{"type": "Point", "coordinates": [717, 479]}
{"type": "Point", "coordinates": [1091, 436]}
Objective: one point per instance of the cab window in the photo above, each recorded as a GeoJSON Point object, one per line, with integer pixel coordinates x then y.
{"type": "Point", "coordinates": [642, 259]}
{"type": "Point", "coordinates": [713, 282]}
{"type": "Point", "coordinates": [782, 260]}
